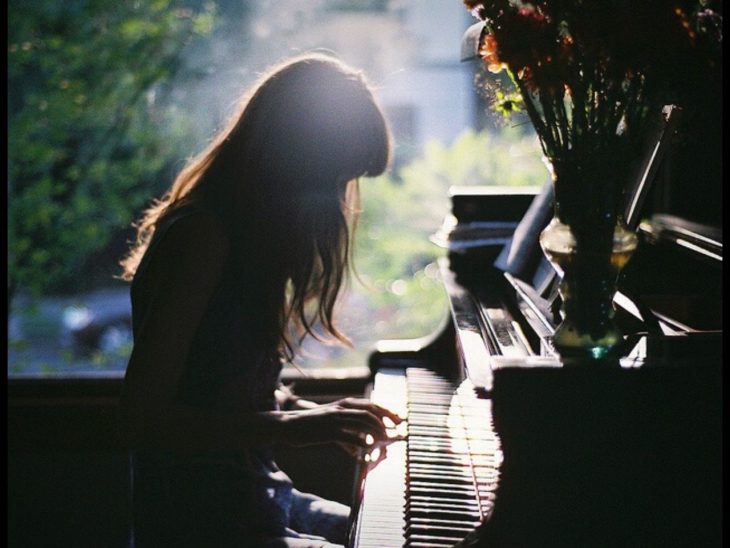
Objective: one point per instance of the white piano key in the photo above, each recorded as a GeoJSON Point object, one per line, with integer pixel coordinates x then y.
{"type": "Point", "coordinates": [439, 484]}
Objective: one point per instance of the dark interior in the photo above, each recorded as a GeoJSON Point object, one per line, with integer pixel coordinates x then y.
{"type": "Point", "coordinates": [68, 475]}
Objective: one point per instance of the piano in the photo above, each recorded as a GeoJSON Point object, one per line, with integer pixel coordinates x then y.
{"type": "Point", "coordinates": [507, 444]}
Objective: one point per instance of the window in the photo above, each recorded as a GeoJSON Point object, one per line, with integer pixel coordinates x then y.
{"type": "Point", "coordinates": [108, 100]}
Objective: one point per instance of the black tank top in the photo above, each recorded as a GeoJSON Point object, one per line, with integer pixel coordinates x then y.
{"type": "Point", "coordinates": [215, 498]}
{"type": "Point", "coordinates": [227, 347]}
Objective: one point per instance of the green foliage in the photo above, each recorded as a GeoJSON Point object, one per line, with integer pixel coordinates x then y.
{"type": "Point", "coordinates": [393, 253]}
{"type": "Point", "coordinates": [401, 295]}
{"type": "Point", "coordinates": [88, 136]}
{"type": "Point", "coordinates": [505, 157]}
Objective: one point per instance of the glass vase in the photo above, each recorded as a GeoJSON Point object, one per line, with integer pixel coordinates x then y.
{"type": "Point", "coordinates": [589, 259]}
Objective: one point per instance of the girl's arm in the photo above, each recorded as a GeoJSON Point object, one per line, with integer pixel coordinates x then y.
{"type": "Point", "coordinates": [182, 274]}
{"type": "Point", "coordinates": [288, 400]}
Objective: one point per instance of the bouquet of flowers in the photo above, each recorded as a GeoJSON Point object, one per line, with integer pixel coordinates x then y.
{"type": "Point", "coordinates": [590, 74]}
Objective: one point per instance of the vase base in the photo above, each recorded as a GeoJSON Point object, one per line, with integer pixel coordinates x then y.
{"type": "Point", "coordinates": [570, 343]}
{"type": "Point", "coordinates": [587, 352]}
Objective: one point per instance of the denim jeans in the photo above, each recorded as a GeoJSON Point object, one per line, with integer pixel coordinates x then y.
{"type": "Point", "coordinates": [314, 522]}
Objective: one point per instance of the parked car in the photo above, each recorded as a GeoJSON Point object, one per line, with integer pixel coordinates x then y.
{"type": "Point", "coordinates": [98, 321]}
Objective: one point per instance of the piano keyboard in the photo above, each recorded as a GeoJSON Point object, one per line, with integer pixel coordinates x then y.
{"type": "Point", "coordinates": [436, 486]}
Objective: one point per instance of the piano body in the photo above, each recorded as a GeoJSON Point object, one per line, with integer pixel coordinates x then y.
{"type": "Point", "coordinates": [508, 444]}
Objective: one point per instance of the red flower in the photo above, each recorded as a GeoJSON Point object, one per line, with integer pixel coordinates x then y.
{"type": "Point", "coordinates": [582, 67]}
{"type": "Point", "coordinates": [488, 52]}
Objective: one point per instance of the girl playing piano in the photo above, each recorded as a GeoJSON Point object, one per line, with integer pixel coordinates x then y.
{"type": "Point", "coordinates": [242, 258]}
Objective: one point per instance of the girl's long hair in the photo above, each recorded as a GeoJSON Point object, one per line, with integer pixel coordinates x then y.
{"type": "Point", "coordinates": [283, 177]}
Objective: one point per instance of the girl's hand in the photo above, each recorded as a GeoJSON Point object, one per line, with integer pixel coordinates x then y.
{"type": "Point", "coordinates": [353, 423]}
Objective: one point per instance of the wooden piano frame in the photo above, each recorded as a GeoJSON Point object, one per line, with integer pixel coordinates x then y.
{"type": "Point", "coordinates": [621, 452]}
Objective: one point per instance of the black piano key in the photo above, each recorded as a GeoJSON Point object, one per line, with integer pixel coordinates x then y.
{"type": "Point", "coordinates": [457, 533]}
{"type": "Point", "coordinates": [485, 459]}
{"type": "Point", "coordinates": [442, 513]}
{"type": "Point", "coordinates": [431, 540]}
{"type": "Point", "coordinates": [453, 449]}
{"type": "Point", "coordinates": [458, 513]}
{"type": "Point", "coordinates": [441, 466]}
{"type": "Point", "coordinates": [451, 512]}
{"type": "Point", "coordinates": [427, 498]}
{"type": "Point", "coordinates": [432, 544]}
{"type": "Point", "coordinates": [442, 478]}
{"type": "Point", "coordinates": [447, 449]}
{"type": "Point", "coordinates": [452, 446]}
{"type": "Point", "coordinates": [479, 472]}
{"type": "Point", "coordinates": [417, 419]}
{"type": "Point", "coordinates": [444, 492]}
{"type": "Point", "coordinates": [452, 522]}
{"type": "Point", "coordinates": [425, 394]}
{"type": "Point", "coordinates": [440, 406]}
{"type": "Point", "coordinates": [447, 432]}
{"type": "Point", "coordinates": [417, 498]}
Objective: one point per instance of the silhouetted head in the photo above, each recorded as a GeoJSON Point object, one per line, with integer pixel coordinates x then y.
{"type": "Point", "coordinates": [283, 175]}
